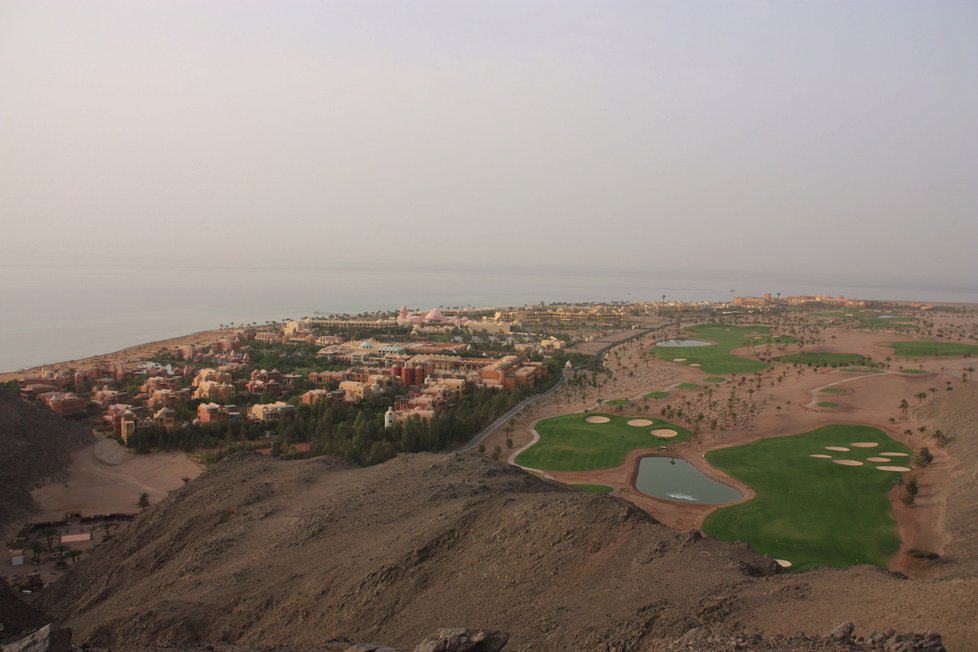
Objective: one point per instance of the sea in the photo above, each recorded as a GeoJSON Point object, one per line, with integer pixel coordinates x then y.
{"type": "Point", "coordinates": [51, 313]}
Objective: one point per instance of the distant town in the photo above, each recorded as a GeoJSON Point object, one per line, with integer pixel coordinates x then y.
{"type": "Point", "coordinates": [397, 368]}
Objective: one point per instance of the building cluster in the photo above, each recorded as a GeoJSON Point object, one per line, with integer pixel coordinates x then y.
{"type": "Point", "coordinates": [206, 386]}
{"type": "Point", "coordinates": [767, 301]}
{"type": "Point", "coordinates": [605, 314]}
{"type": "Point", "coordinates": [433, 381]}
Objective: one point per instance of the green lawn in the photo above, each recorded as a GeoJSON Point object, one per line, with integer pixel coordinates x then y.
{"type": "Point", "coordinates": [833, 390]}
{"type": "Point", "coordinates": [569, 443]}
{"type": "Point", "coordinates": [595, 488]}
{"type": "Point", "coordinates": [933, 349]}
{"type": "Point", "coordinates": [687, 386]}
{"type": "Point", "coordinates": [617, 402]}
{"type": "Point", "coordinates": [717, 359]}
{"type": "Point", "coordinates": [810, 511]}
{"type": "Point", "coordinates": [827, 404]}
{"type": "Point", "coordinates": [657, 395]}
{"type": "Point", "coordinates": [817, 359]}
{"type": "Point", "coordinates": [913, 371]}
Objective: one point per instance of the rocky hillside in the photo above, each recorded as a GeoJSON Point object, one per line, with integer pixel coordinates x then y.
{"type": "Point", "coordinates": [260, 552]}
{"type": "Point", "coordinates": [35, 445]}
{"type": "Point", "coordinates": [957, 414]}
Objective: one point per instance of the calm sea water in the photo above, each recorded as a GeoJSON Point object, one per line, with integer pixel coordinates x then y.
{"type": "Point", "coordinates": [51, 314]}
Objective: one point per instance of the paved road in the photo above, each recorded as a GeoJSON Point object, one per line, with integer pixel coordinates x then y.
{"type": "Point", "coordinates": [495, 425]}
{"type": "Point", "coordinates": [620, 338]}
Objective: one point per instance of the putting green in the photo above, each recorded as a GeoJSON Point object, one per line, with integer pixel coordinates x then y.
{"type": "Point", "coordinates": [913, 371]}
{"type": "Point", "coordinates": [827, 404]}
{"type": "Point", "coordinates": [617, 402]}
{"type": "Point", "coordinates": [570, 443]}
{"type": "Point", "coordinates": [657, 395]}
{"type": "Point", "coordinates": [717, 359]}
{"type": "Point", "coordinates": [933, 349]}
{"type": "Point", "coordinates": [832, 390]}
{"type": "Point", "coordinates": [687, 386]}
{"type": "Point", "coordinates": [809, 510]}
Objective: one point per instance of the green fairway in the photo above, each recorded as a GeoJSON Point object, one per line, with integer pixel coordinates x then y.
{"type": "Point", "coordinates": [913, 371]}
{"type": "Point", "coordinates": [687, 386]}
{"type": "Point", "coordinates": [657, 395]}
{"type": "Point", "coordinates": [833, 390]}
{"type": "Point", "coordinates": [716, 359]}
{"type": "Point", "coordinates": [815, 359]}
{"type": "Point", "coordinates": [569, 443]}
{"type": "Point", "coordinates": [933, 349]}
{"type": "Point", "coordinates": [617, 402]}
{"type": "Point", "coordinates": [827, 404]}
{"type": "Point", "coordinates": [810, 511]}
{"type": "Point", "coordinates": [594, 488]}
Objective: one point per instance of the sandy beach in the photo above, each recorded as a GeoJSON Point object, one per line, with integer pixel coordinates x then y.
{"type": "Point", "coordinates": [128, 355]}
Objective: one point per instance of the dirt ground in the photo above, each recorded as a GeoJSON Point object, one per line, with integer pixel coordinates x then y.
{"type": "Point", "coordinates": [105, 478]}
{"type": "Point", "coordinates": [870, 398]}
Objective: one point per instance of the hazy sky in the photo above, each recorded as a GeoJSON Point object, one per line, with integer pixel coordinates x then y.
{"type": "Point", "coordinates": [750, 136]}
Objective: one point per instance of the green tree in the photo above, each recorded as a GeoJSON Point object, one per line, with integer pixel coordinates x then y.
{"type": "Point", "coordinates": [924, 457]}
{"type": "Point", "coordinates": [143, 501]}
{"type": "Point", "coordinates": [61, 549]}
{"type": "Point", "coordinates": [36, 549]}
{"type": "Point", "coordinates": [48, 533]}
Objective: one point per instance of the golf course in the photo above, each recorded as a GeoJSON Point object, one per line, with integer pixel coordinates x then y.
{"type": "Point", "coordinates": [820, 496]}
{"type": "Point", "coordinates": [716, 358]}
{"type": "Point", "coordinates": [582, 442]}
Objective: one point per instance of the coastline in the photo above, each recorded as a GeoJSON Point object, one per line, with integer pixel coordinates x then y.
{"type": "Point", "coordinates": [128, 355]}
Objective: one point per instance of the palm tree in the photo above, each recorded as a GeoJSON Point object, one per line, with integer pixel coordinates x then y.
{"type": "Point", "coordinates": [74, 554]}
{"type": "Point", "coordinates": [61, 549]}
{"type": "Point", "coordinates": [36, 549]}
{"type": "Point", "coordinates": [48, 533]}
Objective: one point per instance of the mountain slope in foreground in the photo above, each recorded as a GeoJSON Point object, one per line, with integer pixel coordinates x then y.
{"type": "Point", "coordinates": [264, 552]}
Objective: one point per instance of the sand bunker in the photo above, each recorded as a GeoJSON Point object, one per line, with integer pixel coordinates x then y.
{"type": "Point", "coordinates": [641, 423]}
{"type": "Point", "coordinates": [896, 454]}
{"type": "Point", "coordinates": [597, 419]}
{"type": "Point", "coordinates": [821, 456]}
{"type": "Point", "coordinates": [664, 433]}
{"type": "Point", "coordinates": [898, 469]}
{"type": "Point", "coordinates": [877, 459]}
{"type": "Point", "coordinates": [840, 449]}
{"type": "Point", "coordinates": [695, 364]}
{"type": "Point", "coordinates": [848, 462]}
{"type": "Point", "coordinates": [783, 563]}
{"type": "Point", "coordinates": [679, 359]}
{"type": "Point", "coordinates": [864, 444]}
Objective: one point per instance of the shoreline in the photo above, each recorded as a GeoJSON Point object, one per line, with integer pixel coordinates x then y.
{"type": "Point", "coordinates": [127, 355]}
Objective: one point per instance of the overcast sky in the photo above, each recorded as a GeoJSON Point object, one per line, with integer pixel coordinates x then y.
{"type": "Point", "coordinates": [699, 137]}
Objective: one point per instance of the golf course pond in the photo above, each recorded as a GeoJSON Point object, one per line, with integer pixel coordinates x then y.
{"type": "Point", "coordinates": [671, 478]}
{"type": "Point", "coordinates": [677, 343]}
